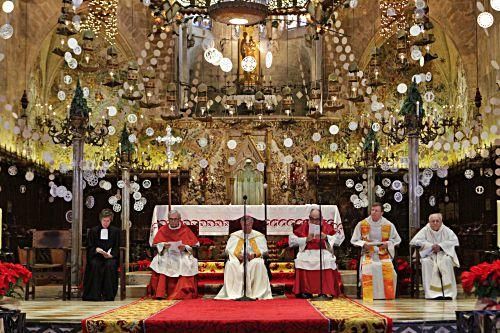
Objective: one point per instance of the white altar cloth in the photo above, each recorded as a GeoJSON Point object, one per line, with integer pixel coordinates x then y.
{"type": "Point", "coordinates": [213, 220]}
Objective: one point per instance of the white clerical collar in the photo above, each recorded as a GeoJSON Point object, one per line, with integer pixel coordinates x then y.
{"type": "Point", "coordinates": [172, 228]}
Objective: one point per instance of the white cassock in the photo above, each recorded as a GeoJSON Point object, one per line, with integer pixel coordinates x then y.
{"type": "Point", "coordinates": [258, 285]}
{"type": "Point", "coordinates": [376, 261]}
{"type": "Point", "coordinates": [438, 276]}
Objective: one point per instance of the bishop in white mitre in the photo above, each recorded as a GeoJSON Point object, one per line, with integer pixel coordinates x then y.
{"type": "Point", "coordinates": [437, 245]}
{"type": "Point", "coordinates": [257, 282]}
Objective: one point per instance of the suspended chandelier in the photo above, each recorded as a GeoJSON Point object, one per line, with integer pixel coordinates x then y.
{"type": "Point", "coordinates": [245, 12]}
{"type": "Point", "coordinates": [102, 17]}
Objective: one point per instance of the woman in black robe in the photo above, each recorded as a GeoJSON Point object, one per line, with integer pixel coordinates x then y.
{"type": "Point", "coordinates": [100, 281]}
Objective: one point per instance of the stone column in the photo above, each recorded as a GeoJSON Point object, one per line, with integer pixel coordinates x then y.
{"type": "Point", "coordinates": [126, 212]}
{"type": "Point", "coordinates": [413, 175]}
{"type": "Point", "coordinates": [371, 186]}
{"type": "Point", "coordinates": [77, 210]}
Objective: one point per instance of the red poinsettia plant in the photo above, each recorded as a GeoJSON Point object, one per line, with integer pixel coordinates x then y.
{"type": "Point", "coordinates": [12, 277]}
{"type": "Point", "coordinates": [483, 280]}
{"type": "Point", "coordinates": [141, 265]}
{"type": "Point", "coordinates": [352, 264]}
{"type": "Point", "coordinates": [204, 241]}
{"type": "Point", "coordinates": [283, 243]}
{"type": "Point", "coordinates": [404, 274]}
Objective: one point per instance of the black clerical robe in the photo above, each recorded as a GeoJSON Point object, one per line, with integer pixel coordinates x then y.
{"type": "Point", "coordinates": [100, 281]}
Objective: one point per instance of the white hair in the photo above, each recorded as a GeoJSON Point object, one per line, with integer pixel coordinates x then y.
{"type": "Point", "coordinates": [173, 211]}
{"type": "Point", "coordinates": [439, 216]}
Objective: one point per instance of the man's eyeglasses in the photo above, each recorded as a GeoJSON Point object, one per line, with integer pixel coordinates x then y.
{"type": "Point", "coordinates": [314, 218]}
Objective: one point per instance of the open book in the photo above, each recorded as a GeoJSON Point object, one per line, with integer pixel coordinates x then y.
{"type": "Point", "coordinates": [314, 230]}
{"type": "Point", "coordinates": [174, 247]}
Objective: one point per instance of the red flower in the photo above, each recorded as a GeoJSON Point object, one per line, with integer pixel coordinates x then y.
{"type": "Point", "coordinates": [205, 241]}
{"type": "Point", "coordinates": [12, 276]}
{"type": "Point", "coordinates": [282, 243]}
{"type": "Point", "coordinates": [353, 264]}
{"type": "Point", "coordinates": [483, 279]}
{"type": "Point", "coordinates": [143, 265]}
{"type": "Point", "coordinates": [467, 281]}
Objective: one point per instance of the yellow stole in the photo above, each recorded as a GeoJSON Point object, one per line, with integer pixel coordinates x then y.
{"type": "Point", "coordinates": [387, 268]}
{"type": "Point", "coordinates": [253, 244]}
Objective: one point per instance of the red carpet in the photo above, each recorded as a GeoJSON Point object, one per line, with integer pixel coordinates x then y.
{"type": "Point", "coordinates": [201, 315]}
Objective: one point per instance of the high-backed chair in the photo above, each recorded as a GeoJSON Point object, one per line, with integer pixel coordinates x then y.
{"type": "Point", "coordinates": [57, 243]}
{"type": "Point", "coordinates": [259, 226]}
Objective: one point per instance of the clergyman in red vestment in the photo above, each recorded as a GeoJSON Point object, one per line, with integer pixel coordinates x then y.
{"type": "Point", "coordinates": [307, 264]}
{"type": "Point", "coordinates": [174, 267]}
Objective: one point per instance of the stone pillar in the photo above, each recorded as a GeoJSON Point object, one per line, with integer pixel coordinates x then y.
{"type": "Point", "coordinates": [371, 186]}
{"type": "Point", "coordinates": [77, 210]}
{"type": "Point", "coordinates": [126, 213]}
{"type": "Point", "coordinates": [413, 174]}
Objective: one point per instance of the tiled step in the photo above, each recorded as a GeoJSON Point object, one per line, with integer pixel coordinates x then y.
{"type": "Point", "coordinates": [138, 278]}
{"type": "Point", "coordinates": [136, 291]}
{"type": "Point", "coordinates": [143, 277]}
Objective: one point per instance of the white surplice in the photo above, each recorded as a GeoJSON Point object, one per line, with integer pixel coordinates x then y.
{"type": "Point", "coordinates": [174, 263]}
{"type": "Point", "coordinates": [309, 259]}
{"type": "Point", "coordinates": [438, 276]}
{"type": "Point", "coordinates": [375, 267]}
{"type": "Point", "coordinates": [258, 285]}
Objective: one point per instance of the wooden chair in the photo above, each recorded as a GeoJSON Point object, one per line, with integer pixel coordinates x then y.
{"type": "Point", "coordinates": [58, 243]}
{"type": "Point", "coordinates": [121, 264]}
{"type": "Point", "coordinates": [416, 270]}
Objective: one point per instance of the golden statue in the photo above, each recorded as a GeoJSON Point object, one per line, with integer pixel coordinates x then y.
{"type": "Point", "coordinates": [248, 48]}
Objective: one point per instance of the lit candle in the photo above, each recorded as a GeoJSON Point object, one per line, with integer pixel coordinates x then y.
{"type": "Point", "coordinates": [418, 108]}
{"type": "Point", "coordinates": [119, 148]}
{"type": "Point", "coordinates": [373, 145]}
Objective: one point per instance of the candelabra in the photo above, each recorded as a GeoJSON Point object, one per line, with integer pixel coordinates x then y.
{"type": "Point", "coordinates": [77, 124]}
{"type": "Point", "coordinates": [397, 130]}
{"type": "Point", "coordinates": [76, 130]}
{"type": "Point", "coordinates": [416, 127]}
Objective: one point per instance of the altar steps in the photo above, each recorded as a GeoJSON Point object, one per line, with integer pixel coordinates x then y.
{"type": "Point", "coordinates": [137, 282]}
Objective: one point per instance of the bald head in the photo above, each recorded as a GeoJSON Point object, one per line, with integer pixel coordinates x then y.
{"type": "Point", "coordinates": [314, 216]}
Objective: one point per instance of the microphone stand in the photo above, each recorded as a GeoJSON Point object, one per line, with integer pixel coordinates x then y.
{"type": "Point", "coordinates": [265, 196]}
{"type": "Point", "coordinates": [245, 237]}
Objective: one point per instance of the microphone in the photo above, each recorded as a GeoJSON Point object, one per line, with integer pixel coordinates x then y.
{"type": "Point", "coordinates": [245, 197]}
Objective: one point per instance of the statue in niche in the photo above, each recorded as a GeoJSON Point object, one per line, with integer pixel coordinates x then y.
{"type": "Point", "coordinates": [249, 182]}
{"type": "Point", "coordinates": [249, 48]}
